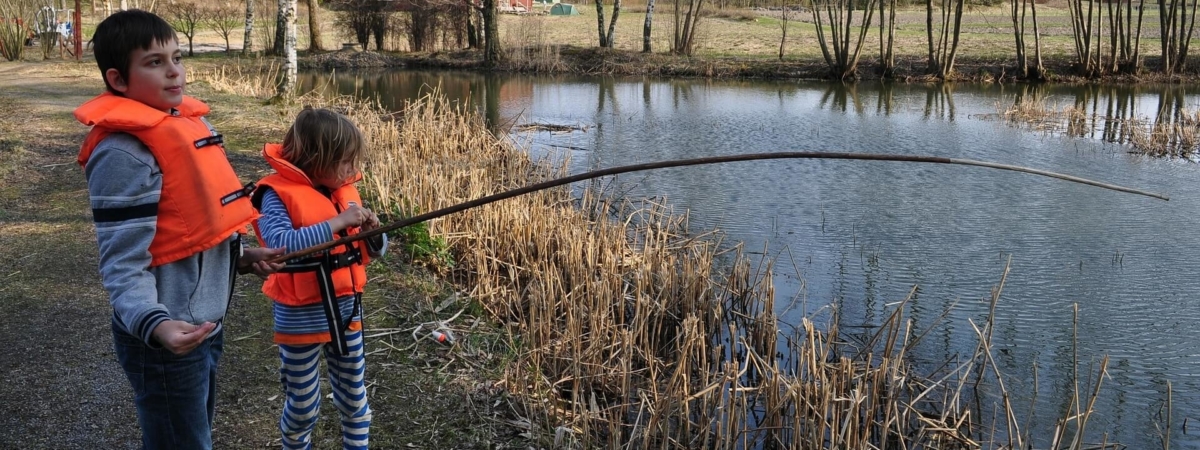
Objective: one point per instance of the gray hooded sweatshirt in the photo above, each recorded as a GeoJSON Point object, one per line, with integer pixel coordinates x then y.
{"type": "Point", "coordinates": [124, 184]}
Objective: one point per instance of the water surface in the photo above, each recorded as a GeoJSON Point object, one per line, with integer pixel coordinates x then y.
{"type": "Point", "coordinates": [862, 234]}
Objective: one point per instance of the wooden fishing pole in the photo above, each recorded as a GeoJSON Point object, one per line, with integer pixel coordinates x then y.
{"type": "Point", "coordinates": [694, 162]}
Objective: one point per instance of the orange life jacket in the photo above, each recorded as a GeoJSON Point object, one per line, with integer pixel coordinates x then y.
{"type": "Point", "coordinates": [308, 206]}
{"type": "Point", "coordinates": [202, 201]}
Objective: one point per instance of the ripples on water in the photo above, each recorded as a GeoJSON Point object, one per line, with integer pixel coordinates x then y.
{"type": "Point", "coordinates": [863, 233]}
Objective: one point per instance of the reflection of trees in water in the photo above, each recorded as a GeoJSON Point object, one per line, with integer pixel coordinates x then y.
{"type": "Point", "coordinates": [845, 97]}
{"type": "Point", "coordinates": [1153, 120]}
{"type": "Point", "coordinates": [838, 96]}
{"type": "Point", "coordinates": [886, 95]}
{"type": "Point", "coordinates": [395, 89]}
{"type": "Point", "coordinates": [939, 102]}
{"type": "Point", "coordinates": [681, 91]}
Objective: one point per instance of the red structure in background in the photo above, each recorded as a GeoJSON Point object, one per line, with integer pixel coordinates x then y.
{"type": "Point", "coordinates": [516, 5]}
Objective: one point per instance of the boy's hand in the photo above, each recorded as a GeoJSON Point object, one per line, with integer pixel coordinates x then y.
{"type": "Point", "coordinates": [257, 260]}
{"type": "Point", "coordinates": [181, 337]}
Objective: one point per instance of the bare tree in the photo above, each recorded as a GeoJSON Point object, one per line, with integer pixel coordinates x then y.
{"type": "Point", "coordinates": [14, 30]}
{"type": "Point", "coordinates": [314, 25]}
{"type": "Point", "coordinates": [427, 21]}
{"type": "Point", "coordinates": [492, 55]}
{"type": "Point", "coordinates": [366, 18]}
{"type": "Point", "coordinates": [288, 12]}
{"type": "Point", "coordinates": [1129, 36]}
{"type": "Point", "coordinates": [685, 26]}
{"type": "Point", "coordinates": [783, 25]}
{"type": "Point", "coordinates": [606, 40]}
{"type": "Point", "coordinates": [268, 12]}
{"type": "Point", "coordinates": [840, 51]}
{"type": "Point", "coordinates": [185, 18]}
{"type": "Point", "coordinates": [1084, 30]}
{"type": "Point", "coordinates": [224, 17]}
{"type": "Point", "coordinates": [1177, 26]}
{"type": "Point", "coordinates": [380, 21]}
{"type": "Point", "coordinates": [356, 17]}
{"type": "Point", "coordinates": [887, 41]}
{"type": "Point", "coordinates": [944, 47]}
{"type": "Point", "coordinates": [247, 44]}
{"type": "Point", "coordinates": [646, 26]}
{"type": "Point", "coordinates": [1018, 9]}
{"type": "Point", "coordinates": [474, 27]}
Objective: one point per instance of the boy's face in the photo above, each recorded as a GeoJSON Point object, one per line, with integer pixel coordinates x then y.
{"type": "Point", "coordinates": [156, 76]}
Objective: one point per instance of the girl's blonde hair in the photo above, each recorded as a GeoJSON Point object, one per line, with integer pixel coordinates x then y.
{"type": "Point", "coordinates": [320, 139]}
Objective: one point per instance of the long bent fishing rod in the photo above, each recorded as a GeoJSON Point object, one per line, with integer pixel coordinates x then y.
{"type": "Point", "coordinates": [694, 162]}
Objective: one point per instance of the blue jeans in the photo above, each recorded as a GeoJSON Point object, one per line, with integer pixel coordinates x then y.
{"type": "Point", "coordinates": [175, 395]}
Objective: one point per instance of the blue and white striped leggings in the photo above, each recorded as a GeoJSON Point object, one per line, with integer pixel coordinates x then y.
{"type": "Point", "coordinates": [299, 376]}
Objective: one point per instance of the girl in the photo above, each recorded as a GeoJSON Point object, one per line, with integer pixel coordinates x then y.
{"type": "Point", "coordinates": [309, 200]}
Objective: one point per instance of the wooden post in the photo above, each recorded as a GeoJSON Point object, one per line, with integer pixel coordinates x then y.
{"type": "Point", "coordinates": [77, 31]}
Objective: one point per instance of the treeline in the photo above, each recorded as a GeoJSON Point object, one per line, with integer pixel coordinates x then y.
{"type": "Point", "coordinates": [1106, 35]}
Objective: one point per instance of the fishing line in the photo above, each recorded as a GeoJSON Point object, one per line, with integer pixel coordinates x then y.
{"type": "Point", "coordinates": [696, 162]}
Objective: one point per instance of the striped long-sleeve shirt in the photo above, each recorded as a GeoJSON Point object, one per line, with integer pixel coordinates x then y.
{"type": "Point", "coordinates": [303, 324]}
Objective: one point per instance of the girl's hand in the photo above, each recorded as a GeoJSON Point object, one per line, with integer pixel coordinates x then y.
{"type": "Point", "coordinates": [353, 216]}
{"type": "Point", "coordinates": [372, 221]}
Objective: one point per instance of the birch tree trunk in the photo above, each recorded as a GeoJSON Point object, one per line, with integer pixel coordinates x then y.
{"type": "Point", "coordinates": [287, 11]}
{"type": "Point", "coordinates": [124, 5]}
{"type": "Point", "coordinates": [612, 24]}
{"type": "Point", "coordinates": [646, 27]}
{"type": "Point", "coordinates": [600, 23]}
{"type": "Point", "coordinates": [247, 46]}
{"type": "Point", "coordinates": [281, 27]}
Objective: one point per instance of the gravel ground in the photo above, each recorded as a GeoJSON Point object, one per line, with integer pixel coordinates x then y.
{"type": "Point", "coordinates": [60, 385]}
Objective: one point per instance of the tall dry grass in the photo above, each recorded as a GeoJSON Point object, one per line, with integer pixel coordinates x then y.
{"type": "Point", "coordinates": [528, 47]}
{"type": "Point", "coordinates": [628, 334]}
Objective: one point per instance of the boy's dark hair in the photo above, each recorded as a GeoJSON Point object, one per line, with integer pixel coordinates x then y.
{"type": "Point", "coordinates": [120, 34]}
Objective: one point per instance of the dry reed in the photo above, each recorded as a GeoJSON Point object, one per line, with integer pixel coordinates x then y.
{"type": "Point", "coordinates": [629, 336]}
{"type": "Point", "coordinates": [528, 49]}
{"type": "Point", "coordinates": [1168, 135]}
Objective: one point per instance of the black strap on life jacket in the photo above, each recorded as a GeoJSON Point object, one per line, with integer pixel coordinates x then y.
{"type": "Point", "coordinates": [324, 265]}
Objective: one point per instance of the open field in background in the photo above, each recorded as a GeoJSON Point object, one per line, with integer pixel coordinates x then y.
{"type": "Point", "coordinates": [755, 34]}
{"type": "Point", "coordinates": [738, 42]}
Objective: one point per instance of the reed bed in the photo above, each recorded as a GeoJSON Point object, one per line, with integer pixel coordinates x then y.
{"type": "Point", "coordinates": [250, 77]}
{"type": "Point", "coordinates": [629, 335]}
{"type": "Point", "coordinates": [1176, 134]}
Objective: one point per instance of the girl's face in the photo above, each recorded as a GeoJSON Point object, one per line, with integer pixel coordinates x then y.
{"type": "Point", "coordinates": [336, 177]}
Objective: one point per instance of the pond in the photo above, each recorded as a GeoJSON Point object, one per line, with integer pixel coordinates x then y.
{"type": "Point", "coordinates": [860, 235]}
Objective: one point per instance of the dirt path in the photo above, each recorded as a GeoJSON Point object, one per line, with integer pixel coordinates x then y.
{"type": "Point", "coordinates": [60, 386]}
{"type": "Point", "coordinates": [58, 379]}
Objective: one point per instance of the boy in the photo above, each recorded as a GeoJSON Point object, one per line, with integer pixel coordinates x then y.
{"type": "Point", "coordinates": [168, 209]}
